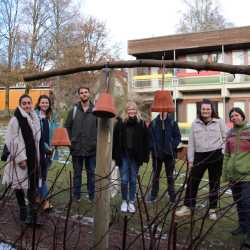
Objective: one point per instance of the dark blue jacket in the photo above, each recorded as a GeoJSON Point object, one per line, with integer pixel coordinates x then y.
{"type": "Point", "coordinates": [164, 141]}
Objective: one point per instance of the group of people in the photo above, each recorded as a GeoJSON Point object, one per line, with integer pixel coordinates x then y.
{"type": "Point", "coordinates": [210, 147]}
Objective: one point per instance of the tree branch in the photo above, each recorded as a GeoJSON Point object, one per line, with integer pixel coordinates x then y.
{"type": "Point", "coordinates": [233, 69]}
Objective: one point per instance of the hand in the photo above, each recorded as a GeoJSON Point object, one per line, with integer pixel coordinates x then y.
{"type": "Point", "coordinates": [23, 164]}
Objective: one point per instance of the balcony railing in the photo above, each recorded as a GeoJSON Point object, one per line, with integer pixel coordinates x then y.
{"type": "Point", "coordinates": [193, 80]}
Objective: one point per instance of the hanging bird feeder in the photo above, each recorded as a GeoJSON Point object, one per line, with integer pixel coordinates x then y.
{"type": "Point", "coordinates": [61, 138]}
{"type": "Point", "coordinates": [104, 107]}
{"type": "Point", "coordinates": [163, 102]}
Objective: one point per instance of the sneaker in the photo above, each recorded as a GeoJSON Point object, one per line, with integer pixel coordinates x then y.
{"type": "Point", "coordinates": [246, 242]}
{"type": "Point", "coordinates": [151, 199]}
{"type": "Point", "coordinates": [131, 207]}
{"type": "Point", "coordinates": [238, 231]}
{"type": "Point", "coordinates": [124, 207]}
{"type": "Point", "coordinates": [183, 211]}
{"type": "Point", "coordinates": [212, 214]}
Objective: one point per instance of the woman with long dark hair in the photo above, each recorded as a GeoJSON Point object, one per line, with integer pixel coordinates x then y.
{"type": "Point", "coordinates": [205, 146]}
{"type": "Point", "coordinates": [48, 124]}
{"type": "Point", "coordinates": [22, 171]}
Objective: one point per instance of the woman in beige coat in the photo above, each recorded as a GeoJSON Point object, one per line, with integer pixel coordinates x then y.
{"type": "Point", "coordinates": [21, 172]}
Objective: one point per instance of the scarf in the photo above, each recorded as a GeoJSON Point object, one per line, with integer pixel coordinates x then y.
{"type": "Point", "coordinates": [31, 153]}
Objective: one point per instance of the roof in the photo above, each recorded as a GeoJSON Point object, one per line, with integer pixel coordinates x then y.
{"type": "Point", "coordinates": [232, 38]}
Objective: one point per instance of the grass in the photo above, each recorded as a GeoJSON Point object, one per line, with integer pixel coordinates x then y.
{"type": "Point", "coordinates": [218, 238]}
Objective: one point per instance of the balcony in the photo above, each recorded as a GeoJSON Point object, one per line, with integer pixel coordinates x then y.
{"type": "Point", "coordinates": [192, 81]}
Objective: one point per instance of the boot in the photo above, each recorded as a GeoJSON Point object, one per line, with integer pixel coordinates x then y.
{"type": "Point", "coordinates": [20, 196]}
{"type": "Point", "coordinates": [23, 213]}
{"type": "Point", "coordinates": [31, 218]}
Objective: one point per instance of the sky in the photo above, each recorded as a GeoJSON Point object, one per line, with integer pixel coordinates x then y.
{"type": "Point", "coordinates": [135, 19]}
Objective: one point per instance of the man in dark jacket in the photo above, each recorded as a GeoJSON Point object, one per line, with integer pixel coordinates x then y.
{"type": "Point", "coordinates": [82, 128]}
{"type": "Point", "coordinates": [164, 139]}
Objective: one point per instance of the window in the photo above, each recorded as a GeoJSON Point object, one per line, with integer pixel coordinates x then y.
{"type": "Point", "coordinates": [191, 112]}
{"type": "Point", "coordinates": [221, 110]}
{"type": "Point", "coordinates": [240, 105]}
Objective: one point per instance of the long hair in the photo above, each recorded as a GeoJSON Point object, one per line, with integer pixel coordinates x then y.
{"type": "Point", "coordinates": [207, 101]}
{"type": "Point", "coordinates": [49, 110]}
{"type": "Point", "coordinates": [125, 113]}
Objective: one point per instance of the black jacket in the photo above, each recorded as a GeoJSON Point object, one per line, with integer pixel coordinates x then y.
{"type": "Point", "coordinates": [82, 131]}
{"type": "Point", "coordinates": [164, 142]}
{"type": "Point", "coordinates": [141, 148]}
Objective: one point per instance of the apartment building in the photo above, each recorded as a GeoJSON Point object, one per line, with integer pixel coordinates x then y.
{"type": "Point", "coordinates": [231, 46]}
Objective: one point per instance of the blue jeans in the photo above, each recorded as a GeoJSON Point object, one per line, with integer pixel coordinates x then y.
{"type": "Point", "coordinates": [90, 162]}
{"type": "Point", "coordinates": [128, 174]}
{"type": "Point", "coordinates": [43, 190]}
{"type": "Point", "coordinates": [241, 195]}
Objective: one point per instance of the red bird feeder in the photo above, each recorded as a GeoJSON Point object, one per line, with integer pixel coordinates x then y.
{"type": "Point", "coordinates": [163, 102]}
{"type": "Point", "coordinates": [61, 138]}
{"type": "Point", "coordinates": [104, 107]}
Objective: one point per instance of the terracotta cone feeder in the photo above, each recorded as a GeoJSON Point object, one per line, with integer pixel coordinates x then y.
{"type": "Point", "coordinates": [163, 102]}
{"type": "Point", "coordinates": [61, 138]}
{"type": "Point", "coordinates": [104, 107]}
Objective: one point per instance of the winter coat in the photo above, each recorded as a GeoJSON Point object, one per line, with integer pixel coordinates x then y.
{"type": "Point", "coordinates": [205, 138]}
{"type": "Point", "coordinates": [14, 175]}
{"type": "Point", "coordinates": [237, 154]}
{"type": "Point", "coordinates": [140, 141]}
{"type": "Point", "coordinates": [53, 124]}
{"type": "Point", "coordinates": [82, 129]}
{"type": "Point", "coordinates": [164, 141]}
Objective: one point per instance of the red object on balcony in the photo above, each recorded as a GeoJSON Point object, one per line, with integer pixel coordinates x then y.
{"type": "Point", "coordinates": [61, 138]}
{"type": "Point", "coordinates": [104, 107]}
{"type": "Point", "coordinates": [163, 102]}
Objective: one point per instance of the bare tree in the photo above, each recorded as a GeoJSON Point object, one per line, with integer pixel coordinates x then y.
{"type": "Point", "coordinates": [201, 15]}
{"type": "Point", "coordinates": [9, 28]}
{"type": "Point", "coordinates": [85, 41]}
{"type": "Point", "coordinates": [63, 13]}
{"type": "Point", "coordinates": [35, 33]}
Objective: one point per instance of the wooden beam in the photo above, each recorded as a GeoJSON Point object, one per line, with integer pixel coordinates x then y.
{"type": "Point", "coordinates": [229, 68]}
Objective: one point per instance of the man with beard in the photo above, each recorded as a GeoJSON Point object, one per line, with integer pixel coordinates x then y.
{"type": "Point", "coordinates": [82, 128]}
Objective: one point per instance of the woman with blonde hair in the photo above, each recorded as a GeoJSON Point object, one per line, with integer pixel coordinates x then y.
{"type": "Point", "coordinates": [130, 150]}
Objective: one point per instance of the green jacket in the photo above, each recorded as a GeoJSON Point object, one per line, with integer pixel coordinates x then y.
{"type": "Point", "coordinates": [236, 163]}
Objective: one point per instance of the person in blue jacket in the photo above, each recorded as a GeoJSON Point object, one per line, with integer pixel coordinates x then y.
{"type": "Point", "coordinates": [48, 125]}
{"type": "Point", "coordinates": [164, 138]}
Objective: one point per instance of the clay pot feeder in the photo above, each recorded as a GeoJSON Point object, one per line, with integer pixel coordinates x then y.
{"type": "Point", "coordinates": [104, 107]}
{"type": "Point", "coordinates": [163, 102]}
{"type": "Point", "coordinates": [61, 138]}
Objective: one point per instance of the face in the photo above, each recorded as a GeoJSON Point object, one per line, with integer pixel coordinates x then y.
{"type": "Point", "coordinates": [44, 104]}
{"type": "Point", "coordinates": [26, 104]}
{"type": "Point", "coordinates": [84, 95]}
{"type": "Point", "coordinates": [206, 111]}
{"type": "Point", "coordinates": [236, 118]}
{"type": "Point", "coordinates": [132, 111]}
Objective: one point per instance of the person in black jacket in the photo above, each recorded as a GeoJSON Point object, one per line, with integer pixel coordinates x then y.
{"type": "Point", "coordinates": [164, 139]}
{"type": "Point", "coordinates": [130, 150]}
{"type": "Point", "coordinates": [82, 128]}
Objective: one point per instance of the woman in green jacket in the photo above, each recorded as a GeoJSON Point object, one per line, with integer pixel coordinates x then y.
{"type": "Point", "coordinates": [236, 169]}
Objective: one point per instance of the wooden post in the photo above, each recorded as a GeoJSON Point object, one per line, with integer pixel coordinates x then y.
{"type": "Point", "coordinates": [103, 168]}
{"type": "Point", "coordinates": [103, 173]}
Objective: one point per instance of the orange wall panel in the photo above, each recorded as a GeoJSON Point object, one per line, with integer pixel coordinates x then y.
{"type": "Point", "coordinates": [2, 99]}
{"type": "Point", "coordinates": [15, 94]}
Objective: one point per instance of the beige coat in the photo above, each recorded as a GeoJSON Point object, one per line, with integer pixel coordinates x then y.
{"type": "Point", "coordinates": [205, 138]}
{"type": "Point", "coordinates": [13, 174]}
